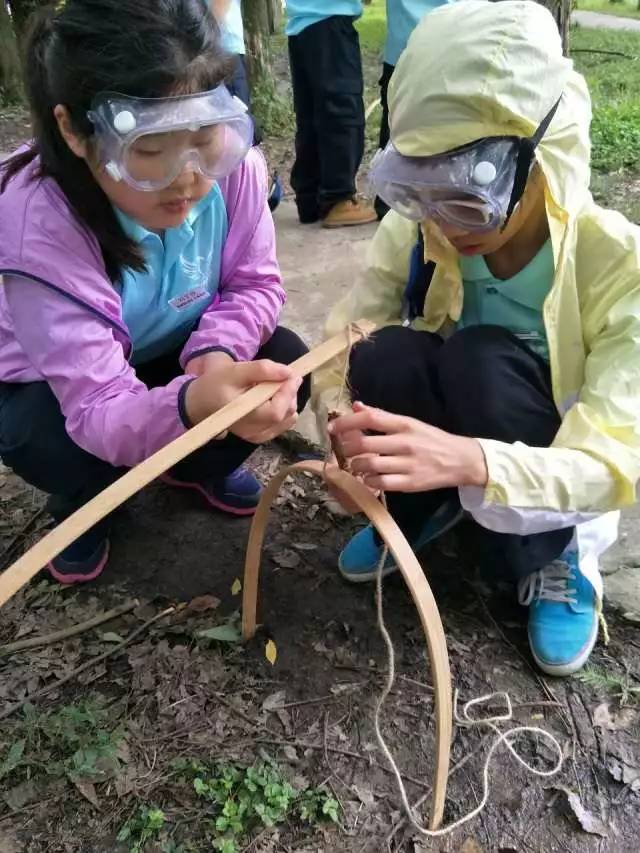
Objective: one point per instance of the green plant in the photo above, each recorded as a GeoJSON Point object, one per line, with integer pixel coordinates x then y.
{"type": "Point", "coordinates": [77, 740]}
{"type": "Point", "coordinates": [244, 798]}
{"type": "Point", "coordinates": [613, 684]}
{"type": "Point", "coordinates": [145, 824]}
{"type": "Point", "coordinates": [274, 114]}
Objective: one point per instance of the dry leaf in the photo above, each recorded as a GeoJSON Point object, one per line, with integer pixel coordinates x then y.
{"type": "Point", "coordinates": [290, 753]}
{"type": "Point", "coordinates": [271, 652]}
{"type": "Point", "coordinates": [587, 820]}
{"type": "Point", "coordinates": [604, 719]}
{"type": "Point", "coordinates": [236, 587]}
{"type": "Point", "coordinates": [471, 846]}
{"type": "Point", "coordinates": [87, 789]}
{"type": "Point", "coordinates": [364, 795]}
{"type": "Point", "coordinates": [625, 773]}
{"type": "Point", "coordinates": [287, 559]}
{"type": "Point", "coordinates": [275, 700]}
{"type": "Point", "coordinates": [203, 603]}
{"type": "Point", "coordinates": [305, 546]}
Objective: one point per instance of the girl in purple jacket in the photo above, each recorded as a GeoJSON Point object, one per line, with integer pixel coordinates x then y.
{"type": "Point", "coordinates": [141, 289]}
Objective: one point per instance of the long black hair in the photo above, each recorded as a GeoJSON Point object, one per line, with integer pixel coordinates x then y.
{"type": "Point", "coordinates": [142, 48]}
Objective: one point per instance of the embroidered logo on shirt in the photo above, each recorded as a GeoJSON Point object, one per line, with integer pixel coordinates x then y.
{"type": "Point", "coordinates": [179, 303]}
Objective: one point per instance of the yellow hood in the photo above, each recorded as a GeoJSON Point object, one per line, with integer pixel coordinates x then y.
{"type": "Point", "coordinates": [474, 69]}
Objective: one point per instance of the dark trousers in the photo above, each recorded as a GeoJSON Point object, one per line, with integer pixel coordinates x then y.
{"type": "Point", "coordinates": [326, 74]}
{"type": "Point", "coordinates": [35, 444]}
{"type": "Point", "coordinates": [387, 70]}
{"type": "Point", "coordinates": [481, 382]}
{"type": "Point", "coordinates": [238, 85]}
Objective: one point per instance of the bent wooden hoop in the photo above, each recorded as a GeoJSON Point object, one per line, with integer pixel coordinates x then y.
{"type": "Point", "coordinates": [415, 580]}
{"type": "Point", "coordinates": [17, 575]}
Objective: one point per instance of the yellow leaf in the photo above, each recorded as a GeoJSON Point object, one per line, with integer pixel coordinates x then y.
{"type": "Point", "coordinates": [271, 652]}
{"type": "Point", "coordinates": [236, 587]}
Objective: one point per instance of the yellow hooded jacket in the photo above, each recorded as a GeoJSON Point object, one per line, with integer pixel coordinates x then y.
{"type": "Point", "coordinates": [475, 69]}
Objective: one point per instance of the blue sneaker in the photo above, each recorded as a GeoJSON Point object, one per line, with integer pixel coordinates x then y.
{"type": "Point", "coordinates": [360, 556]}
{"type": "Point", "coordinates": [563, 618]}
{"type": "Point", "coordinates": [81, 562]}
{"type": "Point", "coordinates": [237, 494]}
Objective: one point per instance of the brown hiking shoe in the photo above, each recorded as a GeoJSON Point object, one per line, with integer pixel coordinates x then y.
{"type": "Point", "coordinates": [349, 212]}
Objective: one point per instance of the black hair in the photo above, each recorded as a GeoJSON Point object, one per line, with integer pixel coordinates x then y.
{"type": "Point", "coordinates": [142, 48]}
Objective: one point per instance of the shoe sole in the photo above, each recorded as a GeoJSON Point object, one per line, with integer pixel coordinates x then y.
{"type": "Point", "coordinates": [68, 579]}
{"type": "Point", "coordinates": [331, 225]}
{"type": "Point", "coordinates": [213, 502]}
{"type": "Point", "coordinates": [366, 577]}
{"type": "Point", "coordinates": [560, 670]}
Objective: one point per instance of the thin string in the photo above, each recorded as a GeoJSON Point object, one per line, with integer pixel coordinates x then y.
{"type": "Point", "coordinates": [465, 719]}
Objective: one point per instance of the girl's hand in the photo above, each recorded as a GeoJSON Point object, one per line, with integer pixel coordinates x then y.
{"type": "Point", "coordinates": [226, 379]}
{"type": "Point", "coordinates": [409, 456]}
{"type": "Point", "coordinates": [337, 494]}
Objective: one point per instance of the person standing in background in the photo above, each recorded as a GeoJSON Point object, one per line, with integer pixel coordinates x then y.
{"type": "Point", "coordinates": [402, 19]}
{"type": "Point", "coordinates": [228, 14]}
{"type": "Point", "coordinates": [326, 74]}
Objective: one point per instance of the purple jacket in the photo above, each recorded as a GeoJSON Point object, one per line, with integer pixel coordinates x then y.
{"type": "Point", "coordinates": [61, 318]}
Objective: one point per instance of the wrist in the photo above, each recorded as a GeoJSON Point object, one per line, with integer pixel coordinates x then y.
{"type": "Point", "coordinates": [208, 362]}
{"type": "Point", "coordinates": [474, 468]}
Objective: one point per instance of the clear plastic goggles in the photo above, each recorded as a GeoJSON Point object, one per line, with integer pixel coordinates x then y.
{"type": "Point", "coordinates": [148, 142]}
{"type": "Point", "coordinates": [469, 187]}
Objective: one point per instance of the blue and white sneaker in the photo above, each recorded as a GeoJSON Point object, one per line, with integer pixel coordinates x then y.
{"type": "Point", "coordinates": [563, 616]}
{"type": "Point", "coordinates": [360, 556]}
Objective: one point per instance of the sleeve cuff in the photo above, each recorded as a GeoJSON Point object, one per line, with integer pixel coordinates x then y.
{"type": "Point", "coordinates": [185, 359]}
{"type": "Point", "coordinates": [182, 407]}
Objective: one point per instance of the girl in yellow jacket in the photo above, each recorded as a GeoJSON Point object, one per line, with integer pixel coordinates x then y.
{"type": "Point", "coordinates": [504, 378]}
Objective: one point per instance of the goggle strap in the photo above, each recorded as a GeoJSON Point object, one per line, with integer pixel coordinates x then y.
{"type": "Point", "coordinates": [526, 152]}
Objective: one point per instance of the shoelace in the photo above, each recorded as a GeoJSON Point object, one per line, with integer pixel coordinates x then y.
{"type": "Point", "coordinates": [548, 584]}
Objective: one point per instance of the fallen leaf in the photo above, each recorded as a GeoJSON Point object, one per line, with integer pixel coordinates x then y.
{"type": "Point", "coordinates": [22, 795]}
{"type": "Point", "coordinates": [625, 773]}
{"type": "Point", "coordinates": [275, 700]}
{"type": "Point", "coordinates": [111, 637]}
{"type": "Point", "coordinates": [287, 559]}
{"type": "Point", "coordinates": [222, 633]}
{"type": "Point", "coordinates": [271, 652]}
{"type": "Point", "coordinates": [587, 820]}
{"type": "Point", "coordinates": [290, 753]}
{"type": "Point", "coordinates": [631, 616]}
{"type": "Point", "coordinates": [365, 795]}
{"type": "Point", "coordinates": [604, 719]}
{"type": "Point", "coordinates": [471, 846]}
{"type": "Point", "coordinates": [236, 587]}
{"type": "Point", "coordinates": [305, 546]}
{"type": "Point", "coordinates": [203, 603]}
{"type": "Point", "coordinates": [87, 789]}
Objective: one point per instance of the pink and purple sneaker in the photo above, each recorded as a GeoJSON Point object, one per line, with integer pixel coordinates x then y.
{"type": "Point", "coordinates": [237, 494]}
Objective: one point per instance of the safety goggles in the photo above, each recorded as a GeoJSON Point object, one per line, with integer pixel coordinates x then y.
{"type": "Point", "coordinates": [148, 142]}
{"type": "Point", "coordinates": [475, 187]}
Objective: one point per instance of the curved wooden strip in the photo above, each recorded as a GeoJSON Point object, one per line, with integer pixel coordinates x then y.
{"type": "Point", "coordinates": [17, 575]}
{"type": "Point", "coordinates": [415, 579]}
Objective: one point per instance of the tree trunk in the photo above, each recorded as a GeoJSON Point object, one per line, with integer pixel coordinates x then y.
{"type": "Point", "coordinates": [20, 12]}
{"type": "Point", "coordinates": [561, 11]}
{"type": "Point", "coordinates": [10, 70]}
{"type": "Point", "coordinates": [257, 20]}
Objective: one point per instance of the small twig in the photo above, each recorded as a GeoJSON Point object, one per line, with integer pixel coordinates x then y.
{"type": "Point", "coordinates": [8, 551]}
{"type": "Point", "coordinates": [605, 52]}
{"type": "Point", "coordinates": [73, 631]}
{"type": "Point", "coordinates": [38, 694]}
{"type": "Point", "coordinates": [348, 753]}
{"type": "Point", "coordinates": [317, 701]}
{"type": "Point", "coordinates": [416, 683]}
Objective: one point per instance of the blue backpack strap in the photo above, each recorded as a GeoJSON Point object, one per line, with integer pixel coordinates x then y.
{"type": "Point", "coordinates": [420, 275]}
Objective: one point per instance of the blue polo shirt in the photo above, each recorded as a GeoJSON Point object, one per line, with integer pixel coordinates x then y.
{"type": "Point", "coordinates": [402, 18]}
{"type": "Point", "coordinates": [161, 306]}
{"type": "Point", "coordinates": [303, 13]}
{"type": "Point", "coordinates": [515, 304]}
{"type": "Point", "coordinates": [232, 29]}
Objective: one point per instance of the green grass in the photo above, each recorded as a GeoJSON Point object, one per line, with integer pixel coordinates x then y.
{"type": "Point", "coordinates": [621, 8]}
{"type": "Point", "coordinates": [373, 26]}
{"type": "Point", "coordinates": [614, 83]}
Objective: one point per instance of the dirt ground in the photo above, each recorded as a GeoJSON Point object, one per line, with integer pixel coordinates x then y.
{"type": "Point", "coordinates": [177, 696]}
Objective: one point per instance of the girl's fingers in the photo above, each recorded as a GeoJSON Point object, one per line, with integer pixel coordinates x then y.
{"type": "Point", "coordinates": [368, 418]}
{"type": "Point", "coordinates": [390, 445]}
{"type": "Point", "coordinates": [390, 482]}
{"type": "Point", "coordinates": [367, 465]}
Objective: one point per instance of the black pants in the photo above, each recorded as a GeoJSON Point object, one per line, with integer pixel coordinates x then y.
{"type": "Point", "coordinates": [481, 382]}
{"type": "Point", "coordinates": [387, 70]}
{"type": "Point", "coordinates": [326, 74]}
{"type": "Point", "coordinates": [35, 444]}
